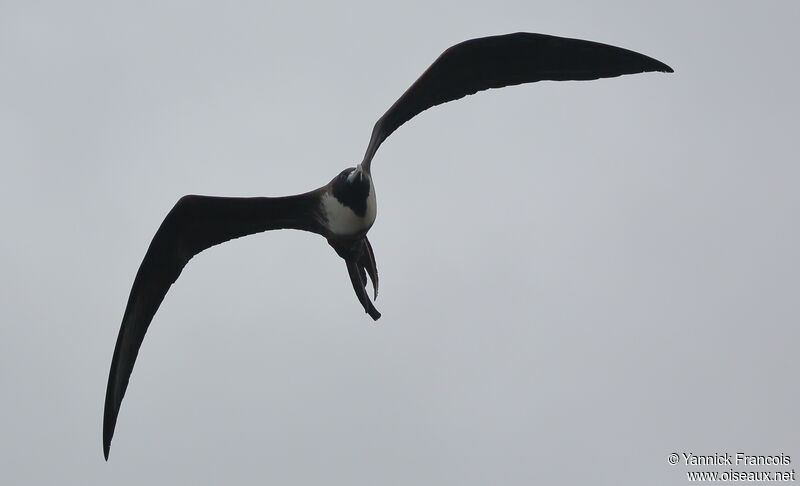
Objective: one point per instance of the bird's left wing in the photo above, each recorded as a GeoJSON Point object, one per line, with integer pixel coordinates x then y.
{"type": "Point", "coordinates": [194, 224]}
{"type": "Point", "coordinates": [505, 60]}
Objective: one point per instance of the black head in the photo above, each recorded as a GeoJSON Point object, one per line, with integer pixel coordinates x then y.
{"type": "Point", "coordinates": [351, 188]}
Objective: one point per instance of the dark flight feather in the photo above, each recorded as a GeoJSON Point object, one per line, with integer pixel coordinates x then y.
{"type": "Point", "coordinates": [506, 60]}
{"type": "Point", "coordinates": [193, 225]}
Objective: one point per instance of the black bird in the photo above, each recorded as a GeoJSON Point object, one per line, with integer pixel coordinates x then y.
{"type": "Point", "coordinates": [343, 210]}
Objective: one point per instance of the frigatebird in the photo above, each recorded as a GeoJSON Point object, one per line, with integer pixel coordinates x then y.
{"type": "Point", "coordinates": [344, 210]}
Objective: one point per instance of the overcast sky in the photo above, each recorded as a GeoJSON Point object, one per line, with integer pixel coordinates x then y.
{"type": "Point", "coordinates": [577, 279]}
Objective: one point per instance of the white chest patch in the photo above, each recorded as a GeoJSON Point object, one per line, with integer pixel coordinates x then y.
{"type": "Point", "coordinates": [342, 220]}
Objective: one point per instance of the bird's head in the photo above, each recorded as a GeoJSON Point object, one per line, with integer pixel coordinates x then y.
{"type": "Point", "coordinates": [352, 188]}
{"type": "Point", "coordinates": [353, 179]}
{"type": "Point", "coordinates": [353, 175]}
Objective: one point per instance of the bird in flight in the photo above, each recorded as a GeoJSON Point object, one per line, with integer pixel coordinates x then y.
{"type": "Point", "coordinates": [344, 210]}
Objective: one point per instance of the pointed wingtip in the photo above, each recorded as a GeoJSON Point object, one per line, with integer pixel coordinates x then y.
{"type": "Point", "coordinates": [659, 66]}
{"type": "Point", "coordinates": [107, 442]}
{"type": "Point", "coordinates": [109, 422]}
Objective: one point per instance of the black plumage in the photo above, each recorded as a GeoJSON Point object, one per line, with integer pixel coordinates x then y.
{"type": "Point", "coordinates": [344, 210]}
{"type": "Point", "coordinates": [506, 60]}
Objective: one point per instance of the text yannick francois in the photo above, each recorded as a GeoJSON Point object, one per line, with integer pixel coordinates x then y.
{"type": "Point", "coordinates": [738, 459]}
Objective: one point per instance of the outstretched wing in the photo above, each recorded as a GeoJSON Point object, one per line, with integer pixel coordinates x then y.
{"type": "Point", "coordinates": [194, 224]}
{"type": "Point", "coordinates": [505, 60]}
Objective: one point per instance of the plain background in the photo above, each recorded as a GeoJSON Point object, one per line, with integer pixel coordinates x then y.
{"type": "Point", "coordinates": [577, 279]}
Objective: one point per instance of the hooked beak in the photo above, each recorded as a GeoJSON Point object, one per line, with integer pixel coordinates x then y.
{"type": "Point", "coordinates": [358, 173]}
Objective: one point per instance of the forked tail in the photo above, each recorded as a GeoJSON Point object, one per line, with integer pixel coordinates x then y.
{"type": "Point", "coordinates": [360, 260]}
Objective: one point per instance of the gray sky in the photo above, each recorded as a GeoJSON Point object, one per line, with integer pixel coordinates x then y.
{"type": "Point", "coordinates": [577, 279]}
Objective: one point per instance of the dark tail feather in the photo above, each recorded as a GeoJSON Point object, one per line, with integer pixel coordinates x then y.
{"type": "Point", "coordinates": [362, 273]}
{"type": "Point", "coordinates": [358, 285]}
{"type": "Point", "coordinates": [367, 261]}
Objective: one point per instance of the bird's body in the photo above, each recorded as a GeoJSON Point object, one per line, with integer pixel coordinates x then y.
{"type": "Point", "coordinates": [349, 206]}
{"type": "Point", "coordinates": [344, 210]}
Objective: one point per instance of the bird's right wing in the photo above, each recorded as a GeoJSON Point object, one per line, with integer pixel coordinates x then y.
{"type": "Point", "coordinates": [194, 224]}
{"type": "Point", "coordinates": [505, 60]}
